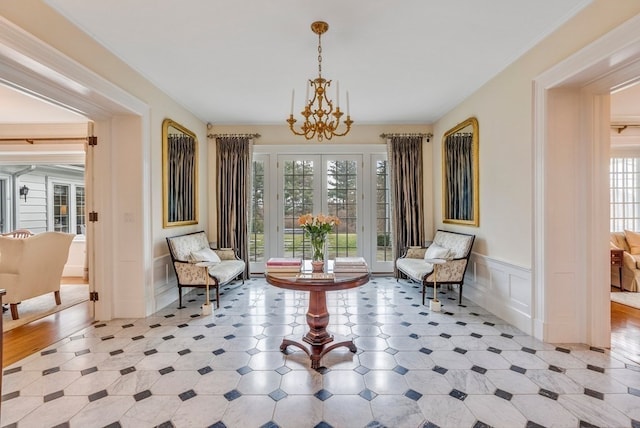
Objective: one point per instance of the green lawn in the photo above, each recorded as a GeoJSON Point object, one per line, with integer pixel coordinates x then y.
{"type": "Point", "coordinates": [296, 241]}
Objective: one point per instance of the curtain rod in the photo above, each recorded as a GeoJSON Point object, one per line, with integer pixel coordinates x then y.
{"type": "Point", "coordinates": [33, 140]}
{"type": "Point", "coordinates": [429, 135]}
{"type": "Point", "coordinates": [233, 135]}
{"type": "Point", "coordinates": [622, 126]}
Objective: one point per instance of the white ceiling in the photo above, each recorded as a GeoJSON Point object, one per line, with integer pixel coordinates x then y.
{"type": "Point", "coordinates": [236, 62]}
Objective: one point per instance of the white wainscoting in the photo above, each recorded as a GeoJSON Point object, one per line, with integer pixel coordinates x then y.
{"type": "Point", "coordinates": [164, 282]}
{"type": "Point", "coordinates": [501, 288]}
{"type": "Point", "coordinates": [76, 262]}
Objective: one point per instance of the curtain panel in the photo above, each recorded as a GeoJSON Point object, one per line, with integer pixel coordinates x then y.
{"type": "Point", "coordinates": [405, 166]}
{"type": "Point", "coordinates": [233, 156]}
{"type": "Point", "coordinates": [182, 177]}
{"type": "Point", "coordinates": [459, 186]}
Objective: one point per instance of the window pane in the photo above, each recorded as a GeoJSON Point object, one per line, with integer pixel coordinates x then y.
{"type": "Point", "coordinates": [256, 238]}
{"type": "Point", "coordinates": [80, 214]}
{"type": "Point", "coordinates": [383, 213]}
{"type": "Point", "coordinates": [297, 200]}
{"type": "Point", "coordinates": [624, 179]}
{"type": "Point", "coordinates": [61, 208]}
{"type": "Point", "coordinates": [342, 203]}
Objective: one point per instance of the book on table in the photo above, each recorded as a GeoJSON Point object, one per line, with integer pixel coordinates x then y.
{"type": "Point", "coordinates": [283, 265]}
{"type": "Point", "coordinates": [284, 261]}
{"type": "Point", "coordinates": [350, 264]}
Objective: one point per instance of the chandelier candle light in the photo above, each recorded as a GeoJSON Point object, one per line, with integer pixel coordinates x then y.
{"type": "Point", "coordinates": [317, 228]}
{"type": "Point", "coordinates": [321, 120]}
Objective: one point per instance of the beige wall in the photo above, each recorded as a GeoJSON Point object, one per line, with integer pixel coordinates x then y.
{"type": "Point", "coordinates": [503, 107]}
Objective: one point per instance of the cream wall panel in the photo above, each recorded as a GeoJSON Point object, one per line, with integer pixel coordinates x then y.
{"type": "Point", "coordinates": [165, 285]}
{"type": "Point", "coordinates": [501, 288]}
{"type": "Point", "coordinates": [76, 261]}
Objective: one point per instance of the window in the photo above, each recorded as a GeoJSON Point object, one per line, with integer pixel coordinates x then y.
{"type": "Point", "coordinates": [625, 194]}
{"type": "Point", "coordinates": [61, 208]}
{"type": "Point", "coordinates": [68, 208]}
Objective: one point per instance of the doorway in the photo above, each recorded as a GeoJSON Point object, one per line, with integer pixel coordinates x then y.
{"type": "Point", "coordinates": [120, 180]}
{"type": "Point", "coordinates": [571, 165]}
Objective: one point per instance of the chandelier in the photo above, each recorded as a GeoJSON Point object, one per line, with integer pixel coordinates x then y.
{"type": "Point", "coordinates": [321, 120]}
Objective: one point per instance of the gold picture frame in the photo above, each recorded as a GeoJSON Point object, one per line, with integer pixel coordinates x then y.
{"type": "Point", "coordinates": [460, 176]}
{"type": "Point", "coordinates": [179, 175]}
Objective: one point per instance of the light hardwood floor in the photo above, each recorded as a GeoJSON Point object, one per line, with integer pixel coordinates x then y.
{"type": "Point", "coordinates": [625, 331]}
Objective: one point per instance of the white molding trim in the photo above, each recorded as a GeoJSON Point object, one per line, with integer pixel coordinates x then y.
{"type": "Point", "coordinates": [32, 66]}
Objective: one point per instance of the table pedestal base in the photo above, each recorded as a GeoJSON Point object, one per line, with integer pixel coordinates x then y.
{"type": "Point", "coordinates": [317, 351]}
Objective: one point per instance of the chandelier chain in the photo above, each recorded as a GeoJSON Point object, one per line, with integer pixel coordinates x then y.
{"type": "Point", "coordinates": [320, 55]}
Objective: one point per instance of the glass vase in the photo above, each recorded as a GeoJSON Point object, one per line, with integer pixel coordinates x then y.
{"type": "Point", "coordinates": [317, 245]}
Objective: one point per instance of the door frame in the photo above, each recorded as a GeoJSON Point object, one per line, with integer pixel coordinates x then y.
{"type": "Point", "coordinates": [34, 67]}
{"type": "Point", "coordinates": [577, 91]}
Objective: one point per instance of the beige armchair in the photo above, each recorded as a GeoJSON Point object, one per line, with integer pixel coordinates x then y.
{"type": "Point", "coordinates": [31, 267]}
{"type": "Point", "coordinates": [630, 264]}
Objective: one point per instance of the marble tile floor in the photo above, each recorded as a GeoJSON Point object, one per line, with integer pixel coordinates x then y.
{"type": "Point", "coordinates": [462, 367]}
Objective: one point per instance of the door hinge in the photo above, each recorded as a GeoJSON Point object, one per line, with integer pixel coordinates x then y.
{"type": "Point", "coordinates": [92, 140]}
{"type": "Point", "coordinates": [93, 296]}
{"type": "Point", "coordinates": [93, 216]}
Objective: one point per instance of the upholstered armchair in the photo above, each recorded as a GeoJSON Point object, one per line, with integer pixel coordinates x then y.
{"type": "Point", "coordinates": [190, 251]}
{"type": "Point", "coordinates": [630, 263]}
{"type": "Point", "coordinates": [31, 267]}
{"type": "Point", "coordinates": [453, 247]}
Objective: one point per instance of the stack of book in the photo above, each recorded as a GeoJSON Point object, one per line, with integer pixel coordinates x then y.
{"type": "Point", "coordinates": [350, 264]}
{"type": "Point", "coordinates": [283, 264]}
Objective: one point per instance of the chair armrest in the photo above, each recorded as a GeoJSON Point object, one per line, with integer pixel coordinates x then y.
{"type": "Point", "coordinates": [190, 273]}
{"type": "Point", "coordinates": [629, 261]}
{"type": "Point", "coordinates": [452, 270]}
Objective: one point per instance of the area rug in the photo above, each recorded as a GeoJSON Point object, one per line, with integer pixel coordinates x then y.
{"type": "Point", "coordinates": [626, 298]}
{"type": "Point", "coordinates": [41, 306]}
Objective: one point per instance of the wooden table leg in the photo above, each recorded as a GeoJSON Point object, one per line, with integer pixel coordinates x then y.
{"type": "Point", "coordinates": [317, 336]}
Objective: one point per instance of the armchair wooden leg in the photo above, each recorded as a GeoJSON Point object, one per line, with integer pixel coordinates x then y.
{"type": "Point", "coordinates": [14, 311]}
{"type": "Point", "coordinates": [460, 295]}
{"type": "Point", "coordinates": [218, 297]}
{"type": "Point", "coordinates": [56, 294]}
{"type": "Point", "coordinates": [424, 290]}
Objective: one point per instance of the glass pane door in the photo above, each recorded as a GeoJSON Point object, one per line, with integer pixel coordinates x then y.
{"type": "Point", "coordinates": [342, 201]}
{"type": "Point", "coordinates": [301, 192]}
{"type": "Point", "coordinates": [320, 184]}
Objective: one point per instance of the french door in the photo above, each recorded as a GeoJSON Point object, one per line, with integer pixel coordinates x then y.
{"type": "Point", "coordinates": [316, 184]}
{"type": "Point", "coordinates": [351, 186]}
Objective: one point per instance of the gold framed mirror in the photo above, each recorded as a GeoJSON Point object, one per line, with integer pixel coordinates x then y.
{"type": "Point", "coordinates": [460, 199]}
{"type": "Point", "coordinates": [179, 175]}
